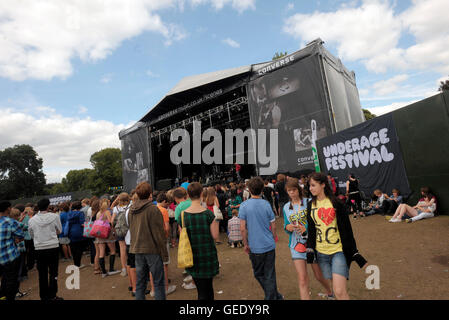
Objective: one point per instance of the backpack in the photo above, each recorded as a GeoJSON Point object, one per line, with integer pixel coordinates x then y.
{"type": "Point", "coordinates": [121, 227]}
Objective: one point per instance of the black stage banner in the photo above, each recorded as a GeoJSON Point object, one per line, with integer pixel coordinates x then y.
{"type": "Point", "coordinates": [135, 158]}
{"type": "Point", "coordinates": [291, 99]}
{"type": "Point", "coordinates": [371, 152]}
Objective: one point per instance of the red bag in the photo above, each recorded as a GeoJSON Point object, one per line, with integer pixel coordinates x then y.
{"type": "Point", "coordinates": [100, 229]}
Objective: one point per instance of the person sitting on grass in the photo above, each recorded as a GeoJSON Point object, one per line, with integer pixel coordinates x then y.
{"type": "Point", "coordinates": [377, 206]}
{"type": "Point", "coordinates": [425, 208]}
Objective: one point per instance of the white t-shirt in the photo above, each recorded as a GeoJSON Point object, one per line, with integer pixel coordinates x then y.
{"type": "Point", "coordinates": [128, 234]}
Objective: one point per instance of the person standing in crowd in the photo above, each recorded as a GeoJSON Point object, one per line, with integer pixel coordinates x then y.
{"type": "Point", "coordinates": [332, 183]}
{"type": "Point", "coordinates": [237, 171]}
{"type": "Point", "coordinates": [221, 196]}
{"type": "Point", "coordinates": [29, 244]}
{"type": "Point", "coordinates": [171, 216]}
{"type": "Point", "coordinates": [162, 204]}
{"type": "Point", "coordinates": [295, 225]}
{"type": "Point", "coordinates": [148, 242]}
{"type": "Point", "coordinates": [17, 216]}
{"type": "Point", "coordinates": [256, 217]}
{"type": "Point", "coordinates": [185, 183]}
{"type": "Point", "coordinates": [23, 220]}
{"type": "Point", "coordinates": [121, 207]}
{"type": "Point", "coordinates": [235, 234]}
{"type": "Point", "coordinates": [330, 239]}
{"type": "Point", "coordinates": [94, 208]}
{"type": "Point", "coordinates": [44, 228]}
{"type": "Point", "coordinates": [105, 215]}
{"type": "Point", "coordinates": [279, 188]}
{"type": "Point", "coordinates": [268, 194]}
{"type": "Point", "coordinates": [246, 194]}
{"type": "Point", "coordinates": [202, 229]}
{"type": "Point", "coordinates": [75, 221]}
{"type": "Point", "coordinates": [91, 241]}
{"type": "Point", "coordinates": [131, 260]}
{"type": "Point", "coordinates": [10, 232]}
{"type": "Point", "coordinates": [64, 241]}
{"type": "Point", "coordinates": [354, 197]}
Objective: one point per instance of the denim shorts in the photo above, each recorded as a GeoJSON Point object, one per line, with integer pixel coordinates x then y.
{"type": "Point", "coordinates": [334, 263]}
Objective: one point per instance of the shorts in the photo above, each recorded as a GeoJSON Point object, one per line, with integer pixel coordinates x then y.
{"type": "Point", "coordinates": [120, 238]}
{"type": "Point", "coordinates": [168, 250]}
{"type": "Point", "coordinates": [131, 261]}
{"type": "Point", "coordinates": [298, 255]}
{"type": "Point", "coordinates": [64, 240]}
{"type": "Point", "coordinates": [334, 263]}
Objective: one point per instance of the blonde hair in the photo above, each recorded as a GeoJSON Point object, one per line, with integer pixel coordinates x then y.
{"type": "Point", "coordinates": [210, 196]}
{"type": "Point", "coordinates": [104, 204]}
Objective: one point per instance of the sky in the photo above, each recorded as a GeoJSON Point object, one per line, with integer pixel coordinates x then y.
{"type": "Point", "coordinates": [74, 73]}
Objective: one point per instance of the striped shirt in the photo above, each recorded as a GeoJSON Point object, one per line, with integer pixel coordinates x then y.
{"type": "Point", "coordinates": [234, 229]}
{"type": "Point", "coordinates": [9, 230]}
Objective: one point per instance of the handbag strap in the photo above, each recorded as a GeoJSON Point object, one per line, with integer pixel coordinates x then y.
{"type": "Point", "coordinates": [182, 219]}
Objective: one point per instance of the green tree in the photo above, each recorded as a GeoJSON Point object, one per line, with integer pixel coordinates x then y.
{"type": "Point", "coordinates": [77, 180]}
{"type": "Point", "coordinates": [444, 86]}
{"type": "Point", "coordinates": [107, 170]}
{"type": "Point", "coordinates": [279, 55]}
{"type": "Point", "coordinates": [21, 174]}
{"type": "Point", "coordinates": [368, 115]}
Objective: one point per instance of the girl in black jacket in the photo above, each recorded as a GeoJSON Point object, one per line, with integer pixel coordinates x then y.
{"type": "Point", "coordinates": [330, 237]}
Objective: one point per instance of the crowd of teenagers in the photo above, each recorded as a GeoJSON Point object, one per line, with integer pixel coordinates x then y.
{"type": "Point", "coordinates": [143, 226]}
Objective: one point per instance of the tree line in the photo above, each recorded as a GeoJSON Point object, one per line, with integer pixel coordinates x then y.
{"type": "Point", "coordinates": [22, 176]}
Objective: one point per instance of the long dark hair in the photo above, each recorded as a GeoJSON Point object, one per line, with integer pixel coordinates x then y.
{"type": "Point", "coordinates": [322, 178]}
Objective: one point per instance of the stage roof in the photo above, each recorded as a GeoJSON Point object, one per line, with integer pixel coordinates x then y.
{"type": "Point", "coordinates": [202, 84]}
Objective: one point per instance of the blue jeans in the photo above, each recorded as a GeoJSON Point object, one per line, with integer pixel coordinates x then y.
{"type": "Point", "coordinates": [146, 263]}
{"type": "Point", "coordinates": [265, 272]}
{"type": "Point", "coordinates": [334, 263]}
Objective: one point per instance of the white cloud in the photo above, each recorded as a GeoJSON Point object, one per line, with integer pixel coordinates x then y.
{"type": "Point", "coordinates": [239, 5]}
{"type": "Point", "coordinates": [82, 109]}
{"type": "Point", "coordinates": [378, 111]}
{"type": "Point", "coordinates": [64, 143]}
{"type": "Point", "coordinates": [151, 74]}
{"type": "Point", "coordinates": [231, 43]}
{"type": "Point", "coordinates": [289, 6]}
{"type": "Point", "coordinates": [370, 33]}
{"type": "Point", "coordinates": [106, 78]}
{"type": "Point", "coordinates": [391, 85]}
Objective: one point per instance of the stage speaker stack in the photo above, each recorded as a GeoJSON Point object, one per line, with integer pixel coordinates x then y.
{"type": "Point", "coordinates": [164, 185]}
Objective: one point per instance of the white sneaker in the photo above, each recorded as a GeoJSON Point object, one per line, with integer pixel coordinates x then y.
{"type": "Point", "coordinates": [111, 273]}
{"type": "Point", "coordinates": [232, 245]}
{"type": "Point", "coordinates": [123, 273]}
{"type": "Point", "coordinates": [170, 289]}
{"type": "Point", "coordinates": [189, 286]}
{"type": "Point", "coordinates": [395, 220]}
{"type": "Point", "coordinates": [188, 279]}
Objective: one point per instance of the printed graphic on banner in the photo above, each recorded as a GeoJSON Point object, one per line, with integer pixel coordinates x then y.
{"type": "Point", "coordinates": [370, 151]}
{"type": "Point", "coordinates": [135, 158]}
{"type": "Point", "coordinates": [291, 100]}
